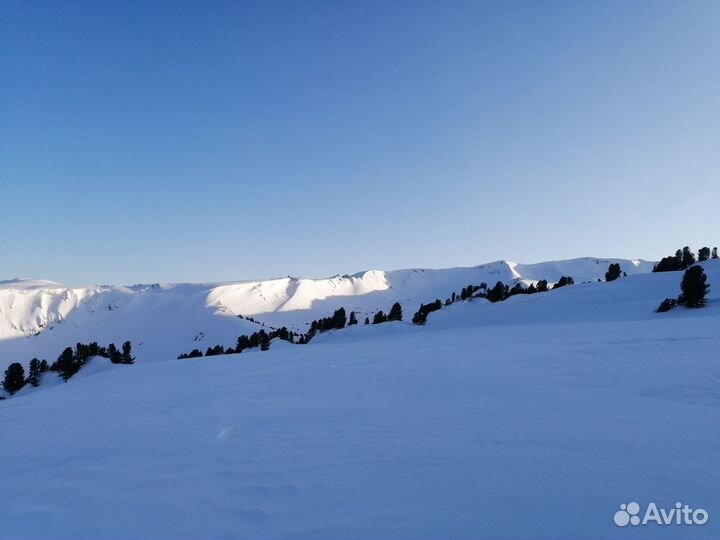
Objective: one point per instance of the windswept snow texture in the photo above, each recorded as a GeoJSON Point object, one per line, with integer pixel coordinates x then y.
{"type": "Point", "coordinates": [531, 418]}
{"type": "Point", "coordinates": [40, 318]}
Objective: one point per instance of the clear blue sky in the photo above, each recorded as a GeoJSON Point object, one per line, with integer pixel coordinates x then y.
{"type": "Point", "coordinates": [197, 141]}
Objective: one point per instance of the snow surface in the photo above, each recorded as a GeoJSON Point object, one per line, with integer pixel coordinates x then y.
{"type": "Point", "coordinates": [531, 418]}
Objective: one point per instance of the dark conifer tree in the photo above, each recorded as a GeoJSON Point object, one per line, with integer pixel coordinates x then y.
{"type": "Point", "coordinates": [242, 343]}
{"type": "Point", "coordinates": [14, 378]}
{"type": "Point", "coordinates": [564, 281]}
{"type": "Point", "coordinates": [714, 253]}
{"type": "Point", "coordinates": [703, 254]}
{"type": "Point", "coordinates": [353, 319]}
{"type": "Point", "coordinates": [114, 354]}
{"type": "Point", "coordinates": [517, 289]}
{"type": "Point", "coordinates": [338, 319]}
{"type": "Point", "coordinates": [217, 350]}
{"type": "Point", "coordinates": [542, 285]}
{"type": "Point", "coordinates": [367, 320]}
{"type": "Point", "coordinates": [44, 366]}
{"type": "Point", "coordinates": [693, 287]}
{"type": "Point", "coordinates": [66, 365]}
{"type": "Point", "coordinates": [667, 264]}
{"type": "Point", "coordinates": [265, 340]}
{"type": "Point", "coordinates": [688, 257]}
{"type": "Point", "coordinates": [613, 272]}
{"type": "Point", "coordinates": [379, 317]}
{"type": "Point", "coordinates": [395, 312]}
{"type": "Point", "coordinates": [497, 293]}
{"type": "Point", "coordinates": [34, 372]}
{"type": "Point", "coordinates": [127, 357]}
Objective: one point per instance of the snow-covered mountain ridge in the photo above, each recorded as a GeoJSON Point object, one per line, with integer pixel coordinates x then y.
{"type": "Point", "coordinates": [28, 307]}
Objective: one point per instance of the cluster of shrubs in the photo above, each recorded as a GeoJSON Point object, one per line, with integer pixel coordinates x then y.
{"type": "Point", "coordinates": [395, 314]}
{"type": "Point", "coordinates": [256, 339]}
{"type": "Point", "coordinates": [71, 361]}
{"type": "Point", "coordinates": [68, 364]}
{"type": "Point", "coordinates": [339, 321]}
{"type": "Point", "coordinates": [262, 339]}
{"type": "Point", "coordinates": [614, 272]}
{"type": "Point", "coordinates": [420, 316]}
{"type": "Point", "coordinates": [693, 287]}
{"type": "Point", "coordinates": [336, 322]}
{"type": "Point", "coordinates": [684, 259]}
{"type": "Point", "coordinates": [498, 293]}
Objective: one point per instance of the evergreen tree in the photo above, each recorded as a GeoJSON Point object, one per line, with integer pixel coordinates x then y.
{"type": "Point", "coordinates": [34, 372]}
{"type": "Point", "coordinates": [420, 317]}
{"type": "Point", "coordinates": [265, 340]}
{"type": "Point", "coordinates": [379, 317]}
{"type": "Point", "coordinates": [353, 319]}
{"type": "Point", "coordinates": [670, 264]}
{"type": "Point", "coordinates": [564, 281]}
{"type": "Point", "coordinates": [613, 272]}
{"type": "Point", "coordinates": [693, 287]}
{"type": "Point", "coordinates": [114, 354]}
{"type": "Point", "coordinates": [367, 320]}
{"type": "Point", "coordinates": [338, 319]}
{"type": "Point", "coordinates": [688, 258]}
{"type": "Point", "coordinates": [66, 364]}
{"type": "Point", "coordinates": [542, 285]}
{"type": "Point", "coordinates": [703, 254]}
{"type": "Point", "coordinates": [44, 366]}
{"type": "Point", "coordinates": [127, 357]}
{"type": "Point", "coordinates": [497, 293]}
{"type": "Point", "coordinates": [395, 312]}
{"type": "Point", "coordinates": [242, 343]}
{"type": "Point", "coordinates": [14, 378]}
{"type": "Point", "coordinates": [714, 253]}
{"type": "Point", "coordinates": [217, 350]}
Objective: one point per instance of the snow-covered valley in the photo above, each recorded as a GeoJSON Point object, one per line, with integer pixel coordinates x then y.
{"type": "Point", "coordinates": [536, 417]}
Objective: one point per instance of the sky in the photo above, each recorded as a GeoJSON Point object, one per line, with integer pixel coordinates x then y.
{"type": "Point", "coordinates": [217, 141]}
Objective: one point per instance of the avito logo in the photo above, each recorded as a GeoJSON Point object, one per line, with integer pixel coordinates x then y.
{"type": "Point", "coordinates": [681, 514]}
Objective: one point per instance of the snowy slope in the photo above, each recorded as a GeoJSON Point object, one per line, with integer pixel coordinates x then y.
{"type": "Point", "coordinates": [41, 318]}
{"type": "Point", "coordinates": [531, 418]}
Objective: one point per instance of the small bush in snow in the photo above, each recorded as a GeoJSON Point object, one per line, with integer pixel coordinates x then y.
{"type": "Point", "coordinates": [666, 305]}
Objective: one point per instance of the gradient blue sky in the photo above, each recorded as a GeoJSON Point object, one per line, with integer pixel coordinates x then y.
{"type": "Point", "coordinates": [202, 141]}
